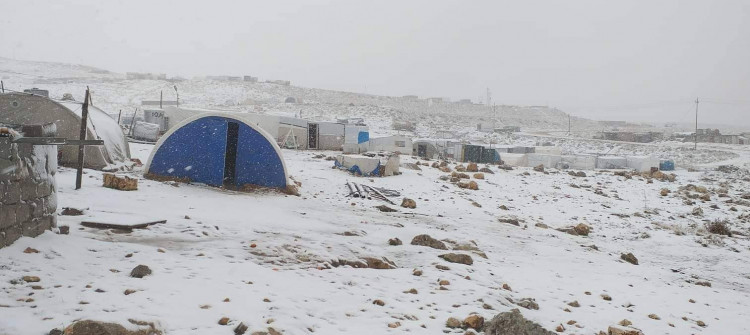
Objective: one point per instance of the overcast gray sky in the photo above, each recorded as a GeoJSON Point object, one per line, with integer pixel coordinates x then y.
{"type": "Point", "coordinates": [633, 60]}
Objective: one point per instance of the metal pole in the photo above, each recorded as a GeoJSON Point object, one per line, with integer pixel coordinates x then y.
{"type": "Point", "coordinates": [119, 115]}
{"type": "Point", "coordinates": [178, 95]}
{"type": "Point", "coordinates": [161, 97]}
{"type": "Point", "coordinates": [2, 86]}
{"type": "Point", "coordinates": [132, 121]}
{"type": "Point", "coordinates": [82, 137]}
{"type": "Point", "coordinates": [696, 124]}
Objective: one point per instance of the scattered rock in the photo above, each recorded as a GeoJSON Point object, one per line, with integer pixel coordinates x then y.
{"type": "Point", "coordinates": [140, 271]}
{"type": "Point", "coordinates": [129, 292]}
{"type": "Point", "coordinates": [623, 330]}
{"type": "Point", "coordinates": [30, 250]}
{"type": "Point", "coordinates": [224, 321]}
{"type": "Point", "coordinates": [606, 297]}
{"type": "Point", "coordinates": [472, 167]}
{"type": "Point", "coordinates": [386, 209]}
{"type": "Point", "coordinates": [444, 282]}
{"type": "Point", "coordinates": [528, 303]}
{"type": "Point", "coordinates": [560, 328]}
{"type": "Point", "coordinates": [479, 175]}
{"type": "Point", "coordinates": [240, 329]}
{"type": "Point", "coordinates": [408, 203]}
{"type": "Point", "coordinates": [539, 168]}
{"type": "Point", "coordinates": [457, 258]}
{"type": "Point", "coordinates": [664, 192]}
{"type": "Point", "coordinates": [574, 303]}
{"type": "Point", "coordinates": [486, 170]}
{"type": "Point", "coordinates": [625, 322]}
{"type": "Point", "coordinates": [442, 267]}
{"type": "Point", "coordinates": [31, 279]}
{"type": "Point", "coordinates": [70, 211]}
{"type": "Point", "coordinates": [394, 324]}
{"type": "Point", "coordinates": [412, 291]}
{"type": "Point", "coordinates": [513, 323]}
{"type": "Point", "coordinates": [427, 241]}
{"type": "Point", "coordinates": [55, 332]}
{"type": "Point", "coordinates": [417, 272]}
{"type": "Point", "coordinates": [630, 258]}
{"type": "Point", "coordinates": [654, 316]}
{"type": "Point", "coordinates": [64, 230]}
{"type": "Point", "coordinates": [700, 323]}
{"type": "Point", "coordinates": [89, 327]}
{"type": "Point", "coordinates": [474, 322]}
{"type": "Point", "coordinates": [378, 302]}
{"type": "Point", "coordinates": [395, 241]}
{"type": "Point", "coordinates": [453, 323]}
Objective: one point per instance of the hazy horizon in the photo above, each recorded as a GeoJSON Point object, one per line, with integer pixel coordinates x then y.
{"type": "Point", "coordinates": [634, 61]}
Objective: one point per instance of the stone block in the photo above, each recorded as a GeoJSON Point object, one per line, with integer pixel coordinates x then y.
{"type": "Point", "coordinates": [51, 204]}
{"type": "Point", "coordinates": [23, 212]}
{"type": "Point", "coordinates": [7, 215]}
{"type": "Point", "coordinates": [28, 189]}
{"type": "Point", "coordinates": [12, 193]}
{"type": "Point", "coordinates": [43, 188]}
{"type": "Point", "coordinates": [9, 235]}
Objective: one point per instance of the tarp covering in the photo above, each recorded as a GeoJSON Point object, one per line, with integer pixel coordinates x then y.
{"type": "Point", "coordinates": [146, 131]}
{"type": "Point", "coordinates": [611, 162]}
{"type": "Point", "coordinates": [580, 162]}
{"type": "Point", "coordinates": [354, 134]}
{"type": "Point", "coordinates": [642, 163]}
{"type": "Point", "coordinates": [514, 159]}
{"type": "Point", "coordinates": [666, 165]}
{"type": "Point", "coordinates": [196, 150]}
{"type": "Point", "coordinates": [357, 164]}
{"type": "Point", "coordinates": [549, 161]}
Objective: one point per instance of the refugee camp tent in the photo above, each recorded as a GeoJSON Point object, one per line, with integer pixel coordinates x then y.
{"type": "Point", "coordinates": [478, 154]}
{"type": "Point", "coordinates": [514, 159]}
{"type": "Point", "coordinates": [395, 143]}
{"type": "Point", "coordinates": [549, 150]}
{"type": "Point", "coordinates": [548, 161]}
{"type": "Point", "coordinates": [325, 135]}
{"type": "Point", "coordinates": [218, 149]}
{"type": "Point", "coordinates": [579, 162]}
{"type": "Point", "coordinates": [24, 108]}
{"type": "Point", "coordinates": [611, 162]}
{"type": "Point", "coordinates": [642, 163]}
{"type": "Point", "coordinates": [425, 149]}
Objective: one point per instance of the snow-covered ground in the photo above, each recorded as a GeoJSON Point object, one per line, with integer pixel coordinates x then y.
{"type": "Point", "coordinates": [267, 260]}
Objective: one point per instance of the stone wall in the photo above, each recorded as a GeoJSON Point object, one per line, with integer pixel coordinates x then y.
{"type": "Point", "coordinates": [28, 193]}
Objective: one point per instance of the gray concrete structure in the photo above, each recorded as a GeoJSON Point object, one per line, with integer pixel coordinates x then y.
{"type": "Point", "coordinates": [28, 192]}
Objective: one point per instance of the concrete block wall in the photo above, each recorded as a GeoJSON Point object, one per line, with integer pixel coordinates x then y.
{"type": "Point", "coordinates": [28, 192]}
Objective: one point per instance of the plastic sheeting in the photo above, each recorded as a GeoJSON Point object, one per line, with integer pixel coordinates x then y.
{"type": "Point", "coordinates": [611, 162]}
{"type": "Point", "coordinates": [642, 163]}
{"type": "Point", "coordinates": [580, 162]}
{"type": "Point", "coordinates": [549, 161]}
{"type": "Point", "coordinates": [514, 159]}
{"type": "Point", "coordinates": [666, 165]}
{"type": "Point", "coordinates": [362, 165]}
{"type": "Point", "coordinates": [146, 131]}
{"type": "Point", "coordinates": [548, 150]}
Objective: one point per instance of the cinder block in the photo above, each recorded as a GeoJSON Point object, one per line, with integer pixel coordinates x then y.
{"type": "Point", "coordinates": [7, 215]}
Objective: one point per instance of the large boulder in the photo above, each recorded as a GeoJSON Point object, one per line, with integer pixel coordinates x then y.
{"type": "Point", "coordinates": [428, 241]}
{"type": "Point", "coordinates": [457, 258]}
{"type": "Point", "coordinates": [472, 167]}
{"type": "Point", "coordinates": [408, 203]}
{"type": "Point", "coordinates": [513, 323]}
{"type": "Point", "coordinates": [89, 327]}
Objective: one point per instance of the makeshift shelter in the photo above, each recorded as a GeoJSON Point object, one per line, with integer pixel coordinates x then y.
{"type": "Point", "coordinates": [218, 149]}
{"type": "Point", "coordinates": [478, 154]}
{"type": "Point", "coordinates": [425, 149]}
{"type": "Point", "coordinates": [611, 162]}
{"type": "Point", "coordinates": [361, 165]}
{"type": "Point", "coordinates": [395, 143]}
{"type": "Point", "coordinates": [548, 150]}
{"type": "Point", "coordinates": [643, 163]}
{"type": "Point", "coordinates": [24, 108]}
{"type": "Point", "coordinates": [514, 159]}
{"type": "Point", "coordinates": [579, 162]}
{"type": "Point", "coordinates": [325, 135]}
{"type": "Point", "coordinates": [548, 161]}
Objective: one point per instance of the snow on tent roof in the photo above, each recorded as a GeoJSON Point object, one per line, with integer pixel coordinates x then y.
{"type": "Point", "coordinates": [105, 128]}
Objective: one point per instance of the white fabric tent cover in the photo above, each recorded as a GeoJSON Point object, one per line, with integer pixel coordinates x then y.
{"type": "Point", "coordinates": [642, 163]}
{"type": "Point", "coordinates": [514, 159]}
{"type": "Point", "coordinates": [580, 162]}
{"type": "Point", "coordinates": [146, 131]}
{"type": "Point", "coordinates": [105, 128]}
{"type": "Point", "coordinates": [549, 161]}
{"type": "Point", "coordinates": [548, 150]}
{"type": "Point", "coordinates": [611, 162]}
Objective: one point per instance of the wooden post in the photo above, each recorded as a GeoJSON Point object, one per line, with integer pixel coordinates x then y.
{"type": "Point", "coordinates": [119, 115]}
{"type": "Point", "coordinates": [82, 137]}
{"type": "Point", "coordinates": [2, 86]}
{"type": "Point", "coordinates": [132, 121]}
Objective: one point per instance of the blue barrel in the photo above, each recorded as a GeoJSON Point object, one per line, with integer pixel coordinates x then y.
{"type": "Point", "coordinates": [666, 165]}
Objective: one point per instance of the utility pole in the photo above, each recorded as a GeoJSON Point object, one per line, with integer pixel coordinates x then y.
{"type": "Point", "coordinates": [82, 137]}
{"type": "Point", "coordinates": [178, 95]}
{"type": "Point", "coordinates": [696, 124]}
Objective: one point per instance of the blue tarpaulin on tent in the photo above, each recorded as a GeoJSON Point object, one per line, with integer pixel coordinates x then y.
{"type": "Point", "coordinates": [363, 137]}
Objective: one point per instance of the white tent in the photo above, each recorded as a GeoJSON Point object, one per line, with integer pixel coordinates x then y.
{"type": "Point", "coordinates": [611, 162]}
{"type": "Point", "coordinates": [642, 163]}
{"type": "Point", "coordinates": [580, 162]}
{"type": "Point", "coordinates": [395, 143]}
{"type": "Point", "coordinates": [549, 161]}
{"type": "Point", "coordinates": [514, 159]}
